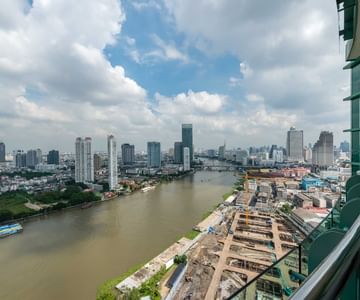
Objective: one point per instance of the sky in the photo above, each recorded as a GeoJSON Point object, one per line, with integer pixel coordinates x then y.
{"type": "Point", "coordinates": [241, 71]}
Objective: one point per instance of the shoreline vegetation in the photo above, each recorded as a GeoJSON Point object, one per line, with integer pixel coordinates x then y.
{"type": "Point", "coordinates": [20, 206]}
{"type": "Point", "coordinates": [107, 291]}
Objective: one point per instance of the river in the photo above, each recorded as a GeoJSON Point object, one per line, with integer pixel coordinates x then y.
{"type": "Point", "coordinates": [68, 255]}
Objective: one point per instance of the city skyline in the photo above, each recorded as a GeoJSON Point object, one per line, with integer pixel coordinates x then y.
{"type": "Point", "coordinates": [120, 76]}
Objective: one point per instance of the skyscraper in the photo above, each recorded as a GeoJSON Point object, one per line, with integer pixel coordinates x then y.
{"type": "Point", "coordinates": [323, 150]}
{"type": "Point", "coordinates": [2, 152]}
{"type": "Point", "coordinates": [153, 155]}
{"type": "Point", "coordinates": [128, 154]}
{"type": "Point", "coordinates": [222, 150]}
{"type": "Point", "coordinates": [187, 139]}
{"type": "Point", "coordinates": [295, 145]}
{"type": "Point", "coordinates": [178, 152]}
{"type": "Point", "coordinates": [20, 159]}
{"type": "Point", "coordinates": [97, 162]}
{"type": "Point", "coordinates": [112, 164]}
{"type": "Point", "coordinates": [186, 159]}
{"type": "Point", "coordinates": [39, 156]}
{"type": "Point", "coordinates": [53, 157]}
{"type": "Point", "coordinates": [31, 158]}
{"type": "Point", "coordinates": [345, 146]}
{"type": "Point", "coordinates": [84, 162]}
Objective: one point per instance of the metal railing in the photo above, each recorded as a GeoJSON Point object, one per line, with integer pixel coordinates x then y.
{"type": "Point", "coordinates": [330, 277]}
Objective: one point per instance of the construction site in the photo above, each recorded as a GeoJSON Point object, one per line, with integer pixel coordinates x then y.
{"type": "Point", "coordinates": [245, 243]}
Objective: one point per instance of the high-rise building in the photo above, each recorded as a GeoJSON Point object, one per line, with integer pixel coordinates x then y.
{"type": "Point", "coordinates": [153, 155]}
{"type": "Point", "coordinates": [53, 157]}
{"type": "Point", "coordinates": [112, 163]}
{"type": "Point", "coordinates": [222, 150]}
{"type": "Point", "coordinates": [277, 155]}
{"type": "Point", "coordinates": [323, 150]}
{"type": "Point", "coordinates": [187, 139]}
{"type": "Point", "coordinates": [84, 160]}
{"type": "Point", "coordinates": [20, 159]}
{"type": "Point", "coordinates": [39, 156]}
{"type": "Point", "coordinates": [178, 152]}
{"type": "Point", "coordinates": [273, 147]}
{"type": "Point", "coordinates": [2, 152]}
{"type": "Point", "coordinates": [345, 146]}
{"type": "Point", "coordinates": [308, 154]}
{"type": "Point", "coordinates": [31, 158]}
{"type": "Point", "coordinates": [128, 154]}
{"type": "Point", "coordinates": [186, 159]}
{"type": "Point", "coordinates": [295, 145]}
{"type": "Point", "coordinates": [97, 162]}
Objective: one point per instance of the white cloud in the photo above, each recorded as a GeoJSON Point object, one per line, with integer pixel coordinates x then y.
{"type": "Point", "coordinates": [289, 52]}
{"type": "Point", "coordinates": [141, 5]}
{"type": "Point", "coordinates": [166, 51]}
{"type": "Point", "coordinates": [245, 70]}
{"type": "Point", "coordinates": [254, 98]}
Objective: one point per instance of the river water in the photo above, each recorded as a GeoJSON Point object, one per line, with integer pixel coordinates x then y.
{"type": "Point", "coordinates": [69, 254]}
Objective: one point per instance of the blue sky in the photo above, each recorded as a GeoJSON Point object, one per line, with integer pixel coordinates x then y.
{"type": "Point", "coordinates": [243, 71]}
{"type": "Point", "coordinates": [169, 77]}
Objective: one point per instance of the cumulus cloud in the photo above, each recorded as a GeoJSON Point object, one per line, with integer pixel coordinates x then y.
{"type": "Point", "coordinates": [288, 50]}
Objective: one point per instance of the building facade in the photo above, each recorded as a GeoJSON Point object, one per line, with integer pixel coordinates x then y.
{"type": "Point", "coordinates": [295, 145]}
{"type": "Point", "coordinates": [222, 150]}
{"type": "Point", "coordinates": [84, 162]}
{"type": "Point", "coordinates": [153, 155]}
{"type": "Point", "coordinates": [186, 159]}
{"type": "Point", "coordinates": [113, 162]}
{"type": "Point", "coordinates": [128, 154]}
{"type": "Point", "coordinates": [178, 152]}
{"type": "Point", "coordinates": [2, 152]}
{"type": "Point", "coordinates": [20, 159]}
{"type": "Point", "coordinates": [53, 157]}
{"type": "Point", "coordinates": [31, 158]}
{"type": "Point", "coordinates": [187, 139]}
{"type": "Point", "coordinates": [323, 150]}
{"type": "Point", "coordinates": [97, 162]}
{"type": "Point", "coordinates": [345, 146]}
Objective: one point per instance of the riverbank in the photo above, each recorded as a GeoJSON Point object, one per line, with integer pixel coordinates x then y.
{"type": "Point", "coordinates": [135, 280]}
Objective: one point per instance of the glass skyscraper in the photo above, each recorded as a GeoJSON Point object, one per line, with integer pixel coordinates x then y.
{"type": "Point", "coordinates": [187, 139]}
{"type": "Point", "coordinates": [153, 155]}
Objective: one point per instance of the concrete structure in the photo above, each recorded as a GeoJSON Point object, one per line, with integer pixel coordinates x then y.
{"type": "Point", "coordinates": [84, 160]}
{"type": "Point", "coordinates": [187, 139]}
{"type": "Point", "coordinates": [153, 155]}
{"type": "Point", "coordinates": [308, 154]}
{"type": "Point", "coordinates": [112, 162]}
{"type": "Point", "coordinates": [178, 152]}
{"type": "Point", "coordinates": [97, 162]}
{"type": "Point", "coordinates": [241, 155]}
{"type": "Point", "coordinates": [277, 155]}
{"type": "Point", "coordinates": [222, 150]}
{"type": "Point", "coordinates": [39, 156]}
{"type": "Point", "coordinates": [303, 200]}
{"type": "Point", "coordinates": [186, 159]}
{"type": "Point", "coordinates": [323, 150]}
{"type": "Point", "coordinates": [31, 158]}
{"type": "Point", "coordinates": [20, 159]}
{"type": "Point", "coordinates": [128, 154]}
{"type": "Point", "coordinates": [2, 152]}
{"type": "Point", "coordinates": [53, 157]}
{"type": "Point", "coordinates": [295, 145]}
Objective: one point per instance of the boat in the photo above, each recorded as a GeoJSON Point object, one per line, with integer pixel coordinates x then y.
{"type": "Point", "coordinates": [10, 229]}
{"type": "Point", "coordinates": [147, 188]}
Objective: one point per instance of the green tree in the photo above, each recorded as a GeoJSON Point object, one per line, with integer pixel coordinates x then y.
{"type": "Point", "coordinates": [5, 215]}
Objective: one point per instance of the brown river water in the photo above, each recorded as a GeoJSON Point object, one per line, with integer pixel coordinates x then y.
{"type": "Point", "coordinates": [69, 254]}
